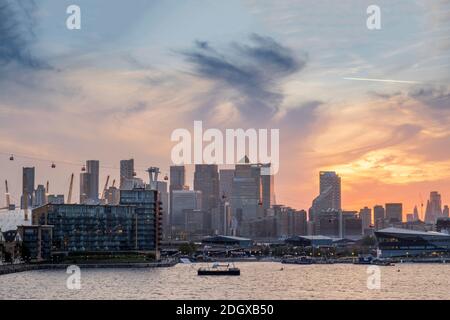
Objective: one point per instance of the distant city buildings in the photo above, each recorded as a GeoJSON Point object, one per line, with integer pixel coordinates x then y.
{"type": "Point", "coordinates": [365, 215]}
{"type": "Point", "coordinates": [206, 180]}
{"type": "Point", "coordinates": [434, 207]}
{"type": "Point", "coordinates": [329, 197]}
{"type": "Point", "coordinates": [28, 174]}
{"type": "Point", "coordinates": [379, 216]}
{"type": "Point", "coordinates": [183, 200]}
{"type": "Point", "coordinates": [126, 172]}
{"type": "Point", "coordinates": [228, 202]}
{"type": "Point", "coordinates": [89, 183]}
{"type": "Point", "coordinates": [226, 183]}
{"type": "Point", "coordinates": [252, 192]}
{"type": "Point", "coordinates": [394, 212]}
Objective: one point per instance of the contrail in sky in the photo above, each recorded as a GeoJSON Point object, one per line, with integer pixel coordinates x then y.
{"type": "Point", "coordinates": [382, 80]}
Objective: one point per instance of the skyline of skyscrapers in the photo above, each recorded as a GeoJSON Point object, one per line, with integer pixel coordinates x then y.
{"type": "Point", "coordinates": [250, 206]}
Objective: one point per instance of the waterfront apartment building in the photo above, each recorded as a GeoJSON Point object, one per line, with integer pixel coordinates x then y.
{"type": "Point", "coordinates": [36, 242]}
{"type": "Point", "coordinates": [132, 226]}
{"type": "Point", "coordinates": [161, 187]}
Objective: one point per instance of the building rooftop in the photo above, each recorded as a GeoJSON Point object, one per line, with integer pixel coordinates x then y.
{"type": "Point", "coordinates": [10, 219]}
{"type": "Point", "coordinates": [412, 232]}
{"type": "Point", "coordinates": [227, 237]}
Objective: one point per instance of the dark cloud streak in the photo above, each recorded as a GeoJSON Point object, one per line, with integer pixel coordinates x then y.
{"type": "Point", "coordinates": [254, 70]}
{"type": "Point", "coordinates": [16, 34]}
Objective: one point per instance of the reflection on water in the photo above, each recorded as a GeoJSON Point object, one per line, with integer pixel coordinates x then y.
{"type": "Point", "coordinates": [258, 280]}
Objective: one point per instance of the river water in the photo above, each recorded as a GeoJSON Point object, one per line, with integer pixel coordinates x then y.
{"type": "Point", "coordinates": [258, 280]}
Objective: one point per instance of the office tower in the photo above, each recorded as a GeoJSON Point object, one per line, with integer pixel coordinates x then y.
{"type": "Point", "coordinates": [93, 168]}
{"type": "Point", "coordinates": [182, 200]}
{"type": "Point", "coordinates": [126, 171]}
{"type": "Point", "coordinates": [330, 194]}
{"type": "Point", "coordinates": [445, 212]}
{"type": "Point", "coordinates": [366, 218]}
{"type": "Point", "coordinates": [194, 224]}
{"type": "Point", "coordinates": [297, 223]}
{"type": "Point", "coordinates": [28, 175]}
{"type": "Point", "coordinates": [161, 186]}
{"type": "Point", "coordinates": [40, 196]}
{"type": "Point", "coordinates": [409, 217]}
{"type": "Point", "coordinates": [226, 183]}
{"type": "Point", "coordinates": [246, 196]}
{"type": "Point", "coordinates": [267, 185]}
{"type": "Point", "coordinates": [434, 208]}
{"type": "Point", "coordinates": [394, 212]}
{"type": "Point", "coordinates": [329, 180]}
{"type": "Point", "coordinates": [378, 217]}
{"type": "Point", "coordinates": [177, 177]}
{"type": "Point", "coordinates": [416, 214]}
{"type": "Point", "coordinates": [85, 184]}
{"type": "Point", "coordinates": [177, 182]}
{"type": "Point", "coordinates": [328, 223]}
{"type": "Point", "coordinates": [206, 180]}
{"type": "Point", "coordinates": [351, 225]}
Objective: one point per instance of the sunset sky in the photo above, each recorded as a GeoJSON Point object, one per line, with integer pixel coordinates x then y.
{"type": "Point", "coordinates": [139, 69]}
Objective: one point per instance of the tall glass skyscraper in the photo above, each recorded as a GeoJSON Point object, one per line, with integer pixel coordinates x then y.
{"type": "Point", "coordinates": [330, 194]}
{"type": "Point", "coordinates": [206, 180]}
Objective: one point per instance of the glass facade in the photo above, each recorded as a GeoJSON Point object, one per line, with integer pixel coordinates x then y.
{"type": "Point", "coordinates": [133, 225]}
{"type": "Point", "coordinates": [392, 243]}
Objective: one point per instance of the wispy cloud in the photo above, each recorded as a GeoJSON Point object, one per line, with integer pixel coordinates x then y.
{"type": "Point", "coordinates": [16, 34]}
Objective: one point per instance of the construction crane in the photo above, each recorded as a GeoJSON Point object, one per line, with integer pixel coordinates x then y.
{"type": "Point", "coordinates": [114, 183]}
{"type": "Point", "coordinates": [105, 188]}
{"type": "Point", "coordinates": [69, 197]}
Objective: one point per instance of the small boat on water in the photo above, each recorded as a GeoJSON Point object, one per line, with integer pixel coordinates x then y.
{"type": "Point", "coordinates": [364, 259]}
{"type": "Point", "coordinates": [219, 270]}
{"type": "Point", "coordinates": [299, 260]}
{"type": "Point", "coordinates": [382, 263]}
